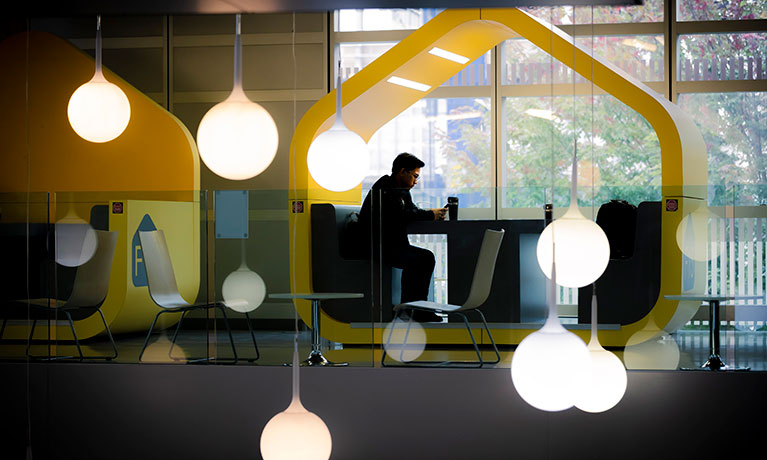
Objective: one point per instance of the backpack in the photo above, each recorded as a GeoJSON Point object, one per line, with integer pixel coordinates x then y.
{"type": "Point", "coordinates": [618, 219]}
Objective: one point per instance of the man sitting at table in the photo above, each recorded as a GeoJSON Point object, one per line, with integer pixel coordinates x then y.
{"type": "Point", "coordinates": [396, 211]}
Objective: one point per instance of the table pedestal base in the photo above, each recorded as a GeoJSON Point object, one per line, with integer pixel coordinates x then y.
{"type": "Point", "coordinates": [316, 358]}
{"type": "Point", "coordinates": [716, 363]}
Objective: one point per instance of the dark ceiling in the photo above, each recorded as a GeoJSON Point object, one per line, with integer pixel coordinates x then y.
{"type": "Point", "coordinates": [141, 7]}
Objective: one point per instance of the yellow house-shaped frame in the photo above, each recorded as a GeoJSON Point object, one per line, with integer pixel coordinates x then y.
{"type": "Point", "coordinates": [369, 102]}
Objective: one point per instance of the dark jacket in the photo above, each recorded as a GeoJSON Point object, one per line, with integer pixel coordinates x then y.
{"type": "Point", "coordinates": [396, 211]}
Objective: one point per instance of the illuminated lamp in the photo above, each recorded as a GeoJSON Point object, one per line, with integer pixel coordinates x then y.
{"type": "Point", "coordinates": [583, 250]}
{"type": "Point", "coordinates": [550, 367]}
{"type": "Point", "coordinates": [338, 158]}
{"type": "Point", "coordinates": [76, 240]}
{"type": "Point", "coordinates": [296, 433]}
{"type": "Point", "coordinates": [98, 110]}
{"type": "Point", "coordinates": [404, 341]}
{"type": "Point", "coordinates": [692, 234]}
{"type": "Point", "coordinates": [243, 290]}
{"type": "Point", "coordinates": [237, 138]}
{"type": "Point", "coordinates": [607, 379]}
{"type": "Point", "coordinates": [651, 348]}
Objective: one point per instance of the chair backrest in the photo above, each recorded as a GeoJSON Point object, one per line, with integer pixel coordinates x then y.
{"type": "Point", "coordinates": [159, 270]}
{"type": "Point", "coordinates": [92, 278]}
{"type": "Point", "coordinates": [484, 270]}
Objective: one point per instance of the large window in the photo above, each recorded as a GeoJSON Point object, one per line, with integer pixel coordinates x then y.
{"type": "Point", "coordinates": [504, 144]}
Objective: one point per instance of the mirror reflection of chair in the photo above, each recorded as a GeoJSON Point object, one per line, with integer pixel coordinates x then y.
{"type": "Point", "coordinates": [480, 290]}
{"type": "Point", "coordinates": [89, 290]}
{"type": "Point", "coordinates": [164, 290]}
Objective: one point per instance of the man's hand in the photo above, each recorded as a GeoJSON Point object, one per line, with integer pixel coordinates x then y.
{"type": "Point", "coordinates": [439, 213]}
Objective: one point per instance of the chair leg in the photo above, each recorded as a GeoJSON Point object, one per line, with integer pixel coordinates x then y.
{"type": "Point", "coordinates": [109, 334]}
{"type": "Point", "coordinates": [474, 342]}
{"type": "Point", "coordinates": [490, 336]}
{"type": "Point", "coordinates": [149, 334]}
{"type": "Point", "coordinates": [252, 336]}
{"type": "Point", "coordinates": [31, 334]}
{"type": "Point", "coordinates": [2, 330]}
{"type": "Point", "coordinates": [391, 332]}
{"type": "Point", "coordinates": [175, 334]}
{"type": "Point", "coordinates": [74, 334]}
{"type": "Point", "coordinates": [407, 335]}
{"type": "Point", "coordinates": [229, 331]}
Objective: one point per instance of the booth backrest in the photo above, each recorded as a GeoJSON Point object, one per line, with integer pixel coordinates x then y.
{"type": "Point", "coordinates": [629, 288]}
{"type": "Point", "coordinates": [340, 263]}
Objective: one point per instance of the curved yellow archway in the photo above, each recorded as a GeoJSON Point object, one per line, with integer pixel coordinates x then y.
{"type": "Point", "coordinates": [369, 101]}
{"type": "Point", "coordinates": [152, 169]}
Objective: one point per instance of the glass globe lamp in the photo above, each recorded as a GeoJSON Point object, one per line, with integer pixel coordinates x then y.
{"type": "Point", "coordinates": [98, 110]}
{"type": "Point", "coordinates": [651, 348]}
{"type": "Point", "coordinates": [76, 240]}
{"type": "Point", "coordinates": [549, 368]}
{"type": "Point", "coordinates": [583, 250]}
{"type": "Point", "coordinates": [692, 234]}
{"type": "Point", "coordinates": [404, 341]}
{"type": "Point", "coordinates": [296, 433]}
{"type": "Point", "coordinates": [243, 290]}
{"type": "Point", "coordinates": [237, 138]}
{"type": "Point", "coordinates": [607, 379]}
{"type": "Point", "coordinates": [338, 158]}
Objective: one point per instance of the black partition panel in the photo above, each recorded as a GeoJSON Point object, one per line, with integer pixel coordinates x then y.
{"type": "Point", "coordinates": [629, 288]}
{"type": "Point", "coordinates": [334, 270]}
{"type": "Point", "coordinates": [464, 238]}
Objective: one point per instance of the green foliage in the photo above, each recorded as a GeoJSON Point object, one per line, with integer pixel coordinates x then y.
{"type": "Point", "coordinates": [734, 127]}
{"type": "Point", "coordinates": [538, 136]}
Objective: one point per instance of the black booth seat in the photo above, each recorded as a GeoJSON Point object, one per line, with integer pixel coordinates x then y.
{"type": "Point", "coordinates": [338, 266]}
{"type": "Point", "coordinates": [629, 288]}
{"type": "Point", "coordinates": [626, 291]}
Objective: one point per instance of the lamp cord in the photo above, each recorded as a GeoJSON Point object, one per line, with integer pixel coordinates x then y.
{"type": "Point", "coordinates": [296, 383]}
{"type": "Point", "coordinates": [574, 173]}
{"type": "Point", "coordinates": [29, 192]}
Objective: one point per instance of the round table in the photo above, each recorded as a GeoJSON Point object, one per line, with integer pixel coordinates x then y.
{"type": "Point", "coordinates": [714, 362]}
{"type": "Point", "coordinates": [315, 357]}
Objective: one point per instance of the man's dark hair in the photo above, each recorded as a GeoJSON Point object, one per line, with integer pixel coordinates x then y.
{"type": "Point", "coordinates": [407, 161]}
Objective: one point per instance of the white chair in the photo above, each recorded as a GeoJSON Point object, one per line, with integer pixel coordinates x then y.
{"type": "Point", "coordinates": [164, 290]}
{"type": "Point", "coordinates": [88, 293]}
{"type": "Point", "coordinates": [480, 290]}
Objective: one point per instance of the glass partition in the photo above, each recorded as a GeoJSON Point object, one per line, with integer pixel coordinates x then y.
{"type": "Point", "coordinates": [25, 231]}
{"type": "Point", "coordinates": [235, 256]}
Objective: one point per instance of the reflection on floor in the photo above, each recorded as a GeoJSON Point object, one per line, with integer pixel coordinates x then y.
{"type": "Point", "coordinates": [686, 349]}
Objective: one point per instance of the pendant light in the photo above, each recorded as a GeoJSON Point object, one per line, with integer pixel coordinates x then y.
{"type": "Point", "coordinates": [583, 250]}
{"type": "Point", "coordinates": [651, 348]}
{"type": "Point", "coordinates": [607, 379]}
{"type": "Point", "coordinates": [404, 341]}
{"type": "Point", "coordinates": [98, 111]}
{"type": "Point", "coordinates": [338, 158]}
{"type": "Point", "coordinates": [692, 233]}
{"type": "Point", "coordinates": [243, 290]}
{"type": "Point", "coordinates": [296, 433]}
{"type": "Point", "coordinates": [550, 366]}
{"type": "Point", "coordinates": [76, 240]}
{"type": "Point", "coordinates": [237, 138]}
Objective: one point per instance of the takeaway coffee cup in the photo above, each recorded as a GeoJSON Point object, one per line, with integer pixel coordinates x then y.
{"type": "Point", "coordinates": [452, 207]}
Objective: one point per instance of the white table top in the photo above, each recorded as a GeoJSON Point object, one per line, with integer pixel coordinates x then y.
{"type": "Point", "coordinates": [709, 298]}
{"type": "Point", "coordinates": [318, 295]}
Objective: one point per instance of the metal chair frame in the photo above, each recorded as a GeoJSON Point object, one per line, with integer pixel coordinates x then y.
{"type": "Point", "coordinates": [480, 290]}
{"type": "Point", "coordinates": [87, 294]}
{"type": "Point", "coordinates": [166, 295]}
